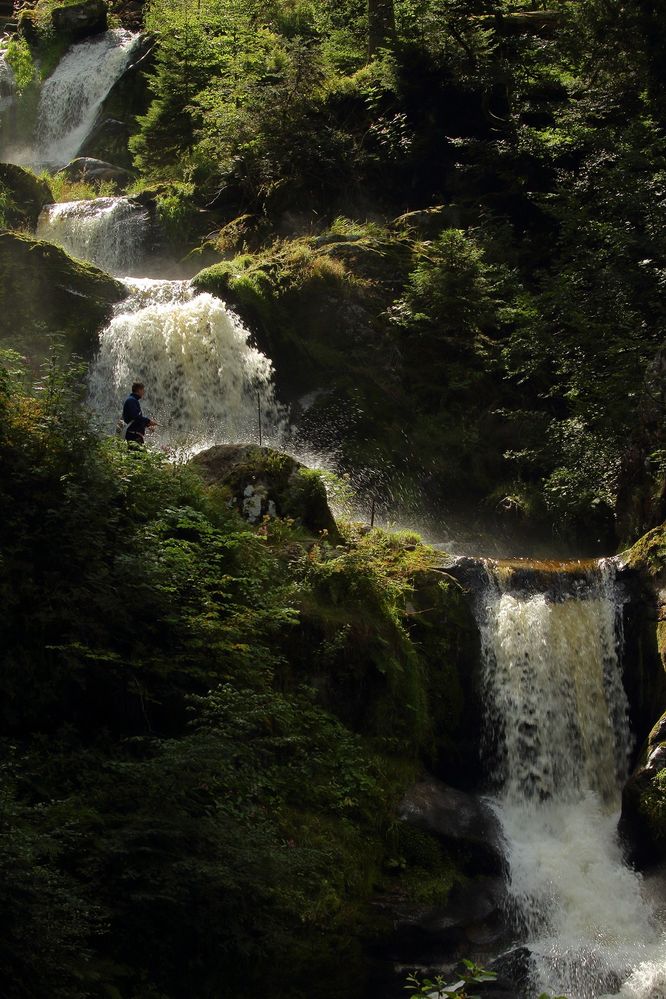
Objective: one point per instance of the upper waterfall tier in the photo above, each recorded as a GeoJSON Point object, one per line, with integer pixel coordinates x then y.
{"type": "Point", "coordinates": [558, 736]}
{"type": "Point", "coordinates": [71, 98]}
{"type": "Point", "coordinates": [109, 232]}
{"type": "Point", "coordinates": [205, 383]}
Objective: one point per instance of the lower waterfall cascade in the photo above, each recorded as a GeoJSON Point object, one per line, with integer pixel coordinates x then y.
{"type": "Point", "coordinates": [558, 734]}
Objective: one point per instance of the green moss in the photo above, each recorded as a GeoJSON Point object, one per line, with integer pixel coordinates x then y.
{"type": "Point", "coordinates": [649, 552]}
{"type": "Point", "coordinates": [652, 807]}
{"type": "Point", "coordinates": [19, 57]}
{"type": "Point", "coordinates": [24, 195]}
{"type": "Point", "coordinates": [442, 626]}
{"type": "Point", "coordinates": [419, 867]}
{"type": "Point", "coordinates": [314, 302]}
{"type": "Point", "coordinates": [393, 647]}
{"type": "Point", "coordinates": [430, 887]}
{"type": "Point", "coordinates": [44, 292]}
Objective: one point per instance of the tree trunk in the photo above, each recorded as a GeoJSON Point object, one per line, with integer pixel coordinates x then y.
{"type": "Point", "coordinates": [381, 26]}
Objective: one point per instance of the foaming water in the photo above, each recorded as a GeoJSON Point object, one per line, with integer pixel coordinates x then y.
{"type": "Point", "coordinates": [109, 232]}
{"type": "Point", "coordinates": [7, 84]}
{"type": "Point", "coordinates": [557, 726]}
{"type": "Point", "coordinates": [71, 98]}
{"type": "Point", "coordinates": [205, 382]}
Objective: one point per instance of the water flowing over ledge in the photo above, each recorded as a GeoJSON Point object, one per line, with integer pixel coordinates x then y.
{"type": "Point", "coordinates": [71, 97]}
{"type": "Point", "coordinates": [207, 382]}
{"type": "Point", "coordinates": [557, 736]}
{"type": "Point", "coordinates": [109, 232]}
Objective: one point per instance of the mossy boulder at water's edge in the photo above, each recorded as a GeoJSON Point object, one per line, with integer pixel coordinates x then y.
{"type": "Point", "coordinates": [28, 195]}
{"type": "Point", "coordinates": [267, 483]}
{"type": "Point", "coordinates": [45, 292]}
{"type": "Point", "coordinates": [643, 821]}
{"type": "Point", "coordinates": [76, 21]}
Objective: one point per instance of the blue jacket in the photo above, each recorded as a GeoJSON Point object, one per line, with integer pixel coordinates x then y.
{"type": "Point", "coordinates": [132, 414]}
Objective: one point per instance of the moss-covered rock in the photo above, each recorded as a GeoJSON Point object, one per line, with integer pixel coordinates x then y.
{"type": "Point", "coordinates": [648, 555]}
{"type": "Point", "coordinates": [644, 572]}
{"type": "Point", "coordinates": [44, 292]}
{"type": "Point", "coordinates": [28, 195]}
{"type": "Point", "coordinates": [643, 821]}
{"type": "Point", "coordinates": [315, 304]}
{"type": "Point", "coordinates": [76, 21]}
{"type": "Point", "coordinates": [457, 819]}
{"type": "Point", "coordinates": [267, 483]}
{"type": "Point", "coordinates": [442, 625]}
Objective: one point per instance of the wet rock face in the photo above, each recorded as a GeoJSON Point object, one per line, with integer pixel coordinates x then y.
{"type": "Point", "coordinates": [45, 291]}
{"type": "Point", "coordinates": [80, 20]}
{"type": "Point", "coordinates": [457, 818]}
{"type": "Point", "coordinates": [469, 917]}
{"type": "Point", "coordinates": [643, 819]}
{"type": "Point", "coordinates": [267, 483]}
{"type": "Point", "coordinates": [87, 168]}
{"type": "Point", "coordinates": [29, 194]}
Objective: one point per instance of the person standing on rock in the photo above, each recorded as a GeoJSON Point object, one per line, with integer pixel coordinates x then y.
{"type": "Point", "coordinates": [134, 421]}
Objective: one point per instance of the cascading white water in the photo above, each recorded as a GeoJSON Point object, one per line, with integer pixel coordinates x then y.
{"type": "Point", "coordinates": [557, 719]}
{"type": "Point", "coordinates": [7, 84]}
{"type": "Point", "coordinates": [71, 98]}
{"type": "Point", "coordinates": [204, 381]}
{"type": "Point", "coordinates": [109, 232]}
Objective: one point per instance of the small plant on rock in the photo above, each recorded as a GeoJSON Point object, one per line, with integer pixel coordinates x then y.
{"type": "Point", "coordinates": [438, 988]}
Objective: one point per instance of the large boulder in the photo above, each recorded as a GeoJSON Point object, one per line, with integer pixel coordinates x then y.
{"type": "Point", "coordinates": [28, 194]}
{"type": "Point", "coordinates": [448, 895]}
{"type": "Point", "coordinates": [88, 169]}
{"type": "Point", "coordinates": [457, 818]}
{"type": "Point", "coordinates": [44, 292]}
{"type": "Point", "coordinates": [471, 917]}
{"type": "Point", "coordinates": [643, 820]}
{"type": "Point", "coordinates": [268, 483]}
{"type": "Point", "coordinates": [80, 20]}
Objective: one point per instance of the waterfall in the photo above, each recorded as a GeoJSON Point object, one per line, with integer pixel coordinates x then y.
{"type": "Point", "coordinates": [71, 97]}
{"type": "Point", "coordinates": [557, 729]}
{"type": "Point", "coordinates": [109, 232]}
{"type": "Point", "coordinates": [7, 84]}
{"type": "Point", "coordinates": [204, 381]}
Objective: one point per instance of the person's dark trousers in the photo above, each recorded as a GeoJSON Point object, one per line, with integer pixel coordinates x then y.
{"type": "Point", "coordinates": [134, 438]}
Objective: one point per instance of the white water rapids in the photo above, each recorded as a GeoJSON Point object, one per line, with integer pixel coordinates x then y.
{"type": "Point", "coordinates": [109, 232]}
{"type": "Point", "coordinates": [71, 97]}
{"type": "Point", "coordinates": [557, 720]}
{"type": "Point", "coordinates": [205, 383]}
